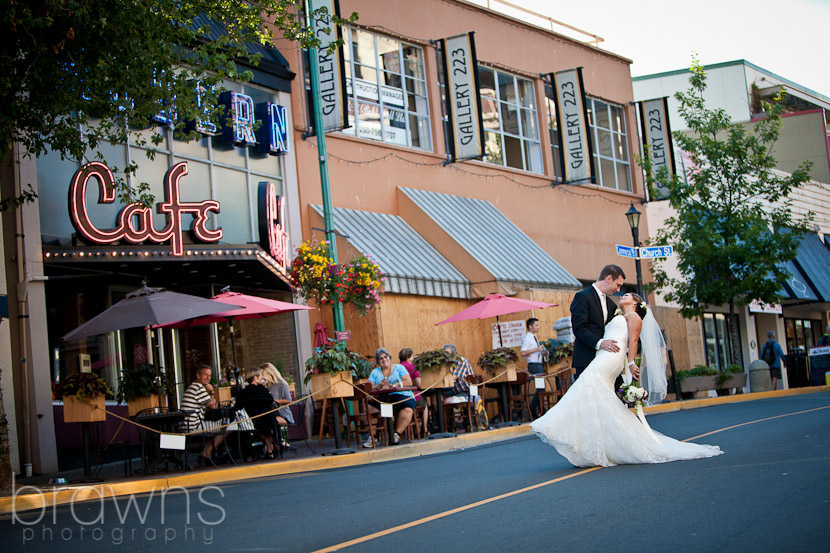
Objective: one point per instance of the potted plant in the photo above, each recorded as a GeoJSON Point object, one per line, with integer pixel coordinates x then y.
{"type": "Point", "coordinates": [221, 389]}
{"type": "Point", "coordinates": [498, 361]}
{"type": "Point", "coordinates": [560, 353]}
{"type": "Point", "coordinates": [139, 388]}
{"type": "Point", "coordinates": [329, 370]}
{"type": "Point", "coordinates": [83, 397]}
{"type": "Point", "coordinates": [435, 366]}
{"type": "Point", "coordinates": [361, 368]}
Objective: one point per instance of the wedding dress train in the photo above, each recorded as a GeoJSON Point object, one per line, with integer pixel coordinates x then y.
{"type": "Point", "coordinates": [590, 426]}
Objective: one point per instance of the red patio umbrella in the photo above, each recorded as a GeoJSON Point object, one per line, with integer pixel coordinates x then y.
{"type": "Point", "coordinates": [495, 305]}
{"type": "Point", "coordinates": [252, 307]}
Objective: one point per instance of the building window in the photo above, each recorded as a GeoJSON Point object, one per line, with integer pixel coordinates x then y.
{"type": "Point", "coordinates": [553, 128]}
{"type": "Point", "coordinates": [511, 128]}
{"type": "Point", "coordinates": [386, 89]}
{"type": "Point", "coordinates": [721, 340]}
{"type": "Point", "coordinates": [612, 168]}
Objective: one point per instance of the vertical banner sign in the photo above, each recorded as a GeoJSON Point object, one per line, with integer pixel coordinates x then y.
{"type": "Point", "coordinates": [332, 79]}
{"type": "Point", "coordinates": [654, 126]}
{"type": "Point", "coordinates": [573, 125]}
{"type": "Point", "coordinates": [465, 130]}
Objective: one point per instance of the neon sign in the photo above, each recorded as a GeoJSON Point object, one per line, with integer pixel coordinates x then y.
{"type": "Point", "coordinates": [134, 221]}
{"type": "Point", "coordinates": [239, 128]}
{"type": "Point", "coordinates": [272, 235]}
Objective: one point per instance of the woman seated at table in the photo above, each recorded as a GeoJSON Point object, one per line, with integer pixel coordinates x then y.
{"type": "Point", "coordinates": [278, 387]}
{"type": "Point", "coordinates": [392, 376]}
{"type": "Point", "coordinates": [256, 400]}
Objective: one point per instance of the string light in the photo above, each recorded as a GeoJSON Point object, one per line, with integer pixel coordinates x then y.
{"type": "Point", "coordinates": [460, 169]}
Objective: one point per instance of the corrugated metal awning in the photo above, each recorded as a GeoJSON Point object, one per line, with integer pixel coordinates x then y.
{"type": "Point", "coordinates": [493, 240]}
{"type": "Point", "coordinates": [410, 264]}
{"type": "Point", "coordinates": [813, 260]}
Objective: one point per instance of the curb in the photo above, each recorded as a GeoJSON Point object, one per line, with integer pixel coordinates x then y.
{"type": "Point", "coordinates": [64, 495]}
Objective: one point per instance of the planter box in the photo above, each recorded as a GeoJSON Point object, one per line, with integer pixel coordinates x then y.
{"type": "Point", "coordinates": [222, 394]}
{"type": "Point", "coordinates": [75, 410]}
{"type": "Point", "coordinates": [509, 376]}
{"type": "Point", "coordinates": [698, 383]}
{"type": "Point", "coordinates": [341, 385]}
{"type": "Point", "coordinates": [733, 384]}
{"type": "Point", "coordinates": [142, 403]}
{"type": "Point", "coordinates": [442, 378]}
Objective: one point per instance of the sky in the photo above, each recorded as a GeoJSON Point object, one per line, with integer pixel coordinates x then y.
{"type": "Point", "coordinates": [787, 38]}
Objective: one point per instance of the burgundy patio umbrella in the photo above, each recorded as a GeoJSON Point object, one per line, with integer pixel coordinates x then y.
{"type": "Point", "coordinates": [252, 307]}
{"type": "Point", "coordinates": [495, 305]}
{"type": "Point", "coordinates": [148, 306]}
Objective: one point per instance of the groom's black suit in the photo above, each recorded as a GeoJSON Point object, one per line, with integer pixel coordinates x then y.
{"type": "Point", "coordinates": [588, 325]}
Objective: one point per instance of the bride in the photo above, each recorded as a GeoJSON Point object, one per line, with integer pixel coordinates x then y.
{"type": "Point", "coordinates": [590, 426]}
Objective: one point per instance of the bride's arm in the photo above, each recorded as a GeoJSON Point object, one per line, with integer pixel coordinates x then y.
{"type": "Point", "coordinates": [635, 323]}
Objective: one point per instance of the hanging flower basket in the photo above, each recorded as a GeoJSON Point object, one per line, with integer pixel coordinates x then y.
{"type": "Point", "coordinates": [314, 275]}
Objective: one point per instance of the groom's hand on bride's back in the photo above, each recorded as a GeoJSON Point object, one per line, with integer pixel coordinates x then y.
{"type": "Point", "coordinates": [609, 345]}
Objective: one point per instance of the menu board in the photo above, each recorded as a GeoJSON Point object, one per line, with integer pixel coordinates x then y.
{"type": "Point", "coordinates": [819, 364]}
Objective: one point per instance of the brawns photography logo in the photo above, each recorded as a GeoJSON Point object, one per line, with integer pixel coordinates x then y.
{"type": "Point", "coordinates": [168, 516]}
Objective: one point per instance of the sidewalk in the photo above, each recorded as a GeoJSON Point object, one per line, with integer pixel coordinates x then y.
{"type": "Point", "coordinates": [40, 492]}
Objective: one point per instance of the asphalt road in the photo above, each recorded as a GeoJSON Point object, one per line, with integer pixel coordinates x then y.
{"type": "Point", "coordinates": [768, 492]}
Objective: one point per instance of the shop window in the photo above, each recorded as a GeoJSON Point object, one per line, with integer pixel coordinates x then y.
{"type": "Point", "coordinates": [612, 167]}
{"type": "Point", "coordinates": [721, 340]}
{"type": "Point", "coordinates": [386, 90]}
{"type": "Point", "coordinates": [511, 129]}
{"type": "Point", "coordinates": [802, 334]}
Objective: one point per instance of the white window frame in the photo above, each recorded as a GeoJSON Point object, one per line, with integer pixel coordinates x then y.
{"type": "Point", "coordinates": [522, 136]}
{"type": "Point", "coordinates": [422, 117]}
{"type": "Point", "coordinates": [616, 157]}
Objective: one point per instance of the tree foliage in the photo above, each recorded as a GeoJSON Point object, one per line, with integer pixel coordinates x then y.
{"type": "Point", "coordinates": [75, 74]}
{"type": "Point", "coordinates": [734, 228]}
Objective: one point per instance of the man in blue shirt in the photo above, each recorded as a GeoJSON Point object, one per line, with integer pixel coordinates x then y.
{"type": "Point", "coordinates": [773, 355]}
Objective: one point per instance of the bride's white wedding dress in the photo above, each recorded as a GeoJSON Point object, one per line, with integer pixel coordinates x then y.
{"type": "Point", "coordinates": [590, 426]}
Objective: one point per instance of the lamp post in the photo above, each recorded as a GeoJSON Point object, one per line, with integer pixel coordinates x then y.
{"type": "Point", "coordinates": [633, 217]}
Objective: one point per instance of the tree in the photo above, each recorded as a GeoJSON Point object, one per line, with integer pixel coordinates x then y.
{"type": "Point", "coordinates": [75, 74]}
{"type": "Point", "coordinates": [733, 228]}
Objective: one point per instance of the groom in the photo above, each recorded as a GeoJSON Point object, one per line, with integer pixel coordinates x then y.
{"type": "Point", "coordinates": [591, 310]}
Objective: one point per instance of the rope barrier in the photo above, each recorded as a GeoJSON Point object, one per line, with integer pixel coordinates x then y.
{"type": "Point", "coordinates": [296, 401]}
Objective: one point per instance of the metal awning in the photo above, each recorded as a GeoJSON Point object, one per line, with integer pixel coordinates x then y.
{"type": "Point", "coordinates": [410, 264]}
{"type": "Point", "coordinates": [813, 260]}
{"type": "Point", "coordinates": [494, 242]}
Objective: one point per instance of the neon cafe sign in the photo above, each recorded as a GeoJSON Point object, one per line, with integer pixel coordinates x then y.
{"type": "Point", "coordinates": [134, 223]}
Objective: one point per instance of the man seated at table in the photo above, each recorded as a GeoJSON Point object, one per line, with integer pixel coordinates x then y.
{"type": "Point", "coordinates": [197, 398]}
{"type": "Point", "coordinates": [460, 370]}
{"type": "Point", "coordinates": [392, 376]}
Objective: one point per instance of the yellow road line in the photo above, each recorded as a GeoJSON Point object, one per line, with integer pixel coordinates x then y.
{"type": "Point", "coordinates": [755, 422]}
{"type": "Point", "coordinates": [450, 512]}
{"type": "Point", "coordinates": [463, 508]}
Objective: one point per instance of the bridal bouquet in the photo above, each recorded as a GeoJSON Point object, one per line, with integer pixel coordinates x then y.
{"type": "Point", "coordinates": [632, 394]}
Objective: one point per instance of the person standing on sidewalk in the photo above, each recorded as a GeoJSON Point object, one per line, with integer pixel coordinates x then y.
{"type": "Point", "coordinates": [825, 340]}
{"type": "Point", "coordinates": [534, 354]}
{"type": "Point", "coordinates": [773, 355]}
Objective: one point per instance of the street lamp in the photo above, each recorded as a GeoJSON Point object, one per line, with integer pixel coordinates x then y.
{"type": "Point", "coordinates": [633, 217]}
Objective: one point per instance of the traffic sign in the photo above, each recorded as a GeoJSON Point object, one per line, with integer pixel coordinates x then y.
{"type": "Point", "coordinates": [627, 251]}
{"type": "Point", "coordinates": [656, 251]}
